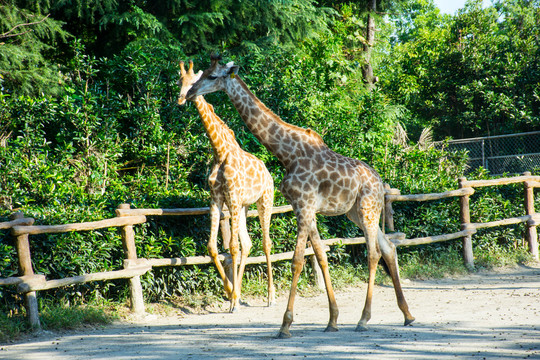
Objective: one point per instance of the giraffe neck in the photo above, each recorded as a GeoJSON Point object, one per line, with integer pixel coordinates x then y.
{"type": "Point", "coordinates": [287, 142]}
{"type": "Point", "coordinates": [220, 136]}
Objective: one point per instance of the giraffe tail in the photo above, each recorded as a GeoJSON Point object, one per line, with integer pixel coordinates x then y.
{"type": "Point", "coordinates": [383, 216]}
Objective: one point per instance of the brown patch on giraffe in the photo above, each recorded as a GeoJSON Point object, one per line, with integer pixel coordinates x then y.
{"type": "Point", "coordinates": [322, 174]}
{"type": "Point", "coordinates": [334, 176]}
{"type": "Point", "coordinates": [287, 148]}
{"type": "Point", "coordinates": [293, 193]}
{"type": "Point", "coordinates": [273, 128]}
{"type": "Point", "coordinates": [325, 187]}
{"type": "Point", "coordinates": [255, 112]}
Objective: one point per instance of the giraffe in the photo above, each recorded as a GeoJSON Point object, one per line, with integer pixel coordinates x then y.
{"type": "Point", "coordinates": [317, 180]}
{"type": "Point", "coordinates": [237, 180]}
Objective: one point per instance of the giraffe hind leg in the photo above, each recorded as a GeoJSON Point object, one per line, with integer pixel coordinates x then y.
{"type": "Point", "coordinates": [303, 221]}
{"type": "Point", "coordinates": [389, 255]}
{"type": "Point", "coordinates": [373, 259]}
{"type": "Point", "coordinates": [264, 207]}
{"type": "Point", "coordinates": [369, 225]}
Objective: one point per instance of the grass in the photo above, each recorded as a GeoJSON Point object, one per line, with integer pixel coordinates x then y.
{"type": "Point", "coordinates": [54, 316]}
{"type": "Point", "coordinates": [421, 265]}
{"type": "Point", "coordinates": [11, 327]}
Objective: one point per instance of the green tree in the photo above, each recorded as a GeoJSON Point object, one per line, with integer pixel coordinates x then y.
{"type": "Point", "coordinates": [373, 12]}
{"type": "Point", "coordinates": [26, 39]}
{"type": "Point", "coordinates": [105, 27]}
{"type": "Point", "coordinates": [472, 74]}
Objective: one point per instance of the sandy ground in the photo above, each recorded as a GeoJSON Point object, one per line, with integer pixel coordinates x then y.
{"type": "Point", "coordinates": [493, 315]}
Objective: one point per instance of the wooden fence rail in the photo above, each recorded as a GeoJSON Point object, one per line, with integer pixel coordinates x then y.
{"type": "Point", "coordinates": [28, 283]}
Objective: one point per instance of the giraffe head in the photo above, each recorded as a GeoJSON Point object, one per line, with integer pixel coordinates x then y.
{"type": "Point", "coordinates": [187, 79]}
{"type": "Point", "coordinates": [213, 79]}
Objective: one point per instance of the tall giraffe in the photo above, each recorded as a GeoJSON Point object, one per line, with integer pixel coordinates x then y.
{"type": "Point", "coordinates": [238, 179]}
{"type": "Point", "coordinates": [317, 180]}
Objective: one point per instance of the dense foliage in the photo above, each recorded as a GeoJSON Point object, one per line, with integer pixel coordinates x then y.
{"type": "Point", "coordinates": [26, 38]}
{"type": "Point", "coordinates": [93, 131]}
{"type": "Point", "coordinates": [473, 74]}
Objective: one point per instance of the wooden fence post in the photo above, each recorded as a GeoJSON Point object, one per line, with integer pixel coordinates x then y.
{"type": "Point", "coordinates": [531, 234]}
{"type": "Point", "coordinates": [388, 211]}
{"type": "Point", "coordinates": [465, 218]}
{"type": "Point", "coordinates": [318, 276]}
{"type": "Point", "coordinates": [130, 251]}
{"type": "Point", "coordinates": [225, 228]}
{"type": "Point", "coordinates": [25, 269]}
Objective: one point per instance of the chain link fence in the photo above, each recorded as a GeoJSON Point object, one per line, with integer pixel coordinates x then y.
{"type": "Point", "coordinates": [512, 154]}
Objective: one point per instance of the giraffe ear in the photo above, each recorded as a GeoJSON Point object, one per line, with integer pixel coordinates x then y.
{"type": "Point", "coordinates": [232, 69]}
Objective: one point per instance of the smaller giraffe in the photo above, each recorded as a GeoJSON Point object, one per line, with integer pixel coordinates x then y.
{"type": "Point", "coordinates": [238, 179]}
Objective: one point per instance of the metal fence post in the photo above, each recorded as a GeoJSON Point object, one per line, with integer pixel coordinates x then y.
{"type": "Point", "coordinates": [484, 161]}
{"type": "Point", "coordinates": [25, 269]}
{"type": "Point", "coordinates": [465, 218]}
{"type": "Point", "coordinates": [531, 234]}
{"type": "Point", "coordinates": [130, 251]}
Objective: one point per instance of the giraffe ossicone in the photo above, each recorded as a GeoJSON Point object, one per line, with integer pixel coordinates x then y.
{"type": "Point", "coordinates": [317, 180]}
{"type": "Point", "coordinates": [237, 180]}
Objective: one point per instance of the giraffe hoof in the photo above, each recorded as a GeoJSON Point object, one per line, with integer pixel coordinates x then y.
{"type": "Point", "coordinates": [408, 321]}
{"type": "Point", "coordinates": [233, 309]}
{"type": "Point", "coordinates": [283, 334]}
{"type": "Point", "coordinates": [361, 328]}
{"type": "Point", "coordinates": [331, 329]}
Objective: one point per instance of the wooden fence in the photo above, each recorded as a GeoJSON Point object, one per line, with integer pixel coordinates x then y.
{"type": "Point", "coordinates": [28, 283]}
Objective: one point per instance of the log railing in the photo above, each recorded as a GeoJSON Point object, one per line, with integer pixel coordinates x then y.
{"type": "Point", "coordinates": [29, 283]}
{"type": "Point", "coordinates": [466, 189]}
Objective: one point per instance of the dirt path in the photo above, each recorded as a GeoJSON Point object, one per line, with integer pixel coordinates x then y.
{"type": "Point", "coordinates": [492, 315]}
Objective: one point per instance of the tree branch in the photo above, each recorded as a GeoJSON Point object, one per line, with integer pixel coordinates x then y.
{"type": "Point", "coordinates": [8, 33]}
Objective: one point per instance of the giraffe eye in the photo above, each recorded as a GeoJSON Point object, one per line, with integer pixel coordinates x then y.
{"type": "Point", "coordinates": [212, 78]}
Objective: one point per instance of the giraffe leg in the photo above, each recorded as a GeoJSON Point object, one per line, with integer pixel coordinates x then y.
{"type": "Point", "coordinates": [245, 244]}
{"type": "Point", "coordinates": [318, 248]}
{"type": "Point", "coordinates": [373, 259]}
{"type": "Point", "coordinates": [368, 222]}
{"type": "Point", "coordinates": [389, 254]}
{"type": "Point", "coordinates": [234, 250]}
{"type": "Point", "coordinates": [264, 207]}
{"type": "Point", "coordinates": [212, 246]}
{"type": "Point", "coordinates": [296, 268]}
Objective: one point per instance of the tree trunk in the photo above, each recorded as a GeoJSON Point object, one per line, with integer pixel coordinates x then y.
{"type": "Point", "coordinates": [367, 70]}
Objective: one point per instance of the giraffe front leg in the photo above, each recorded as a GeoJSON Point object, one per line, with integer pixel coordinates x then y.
{"type": "Point", "coordinates": [323, 263]}
{"type": "Point", "coordinates": [213, 249]}
{"type": "Point", "coordinates": [234, 250]}
{"type": "Point", "coordinates": [296, 268]}
{"type": "Point", "coordinates": [246, 244]}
